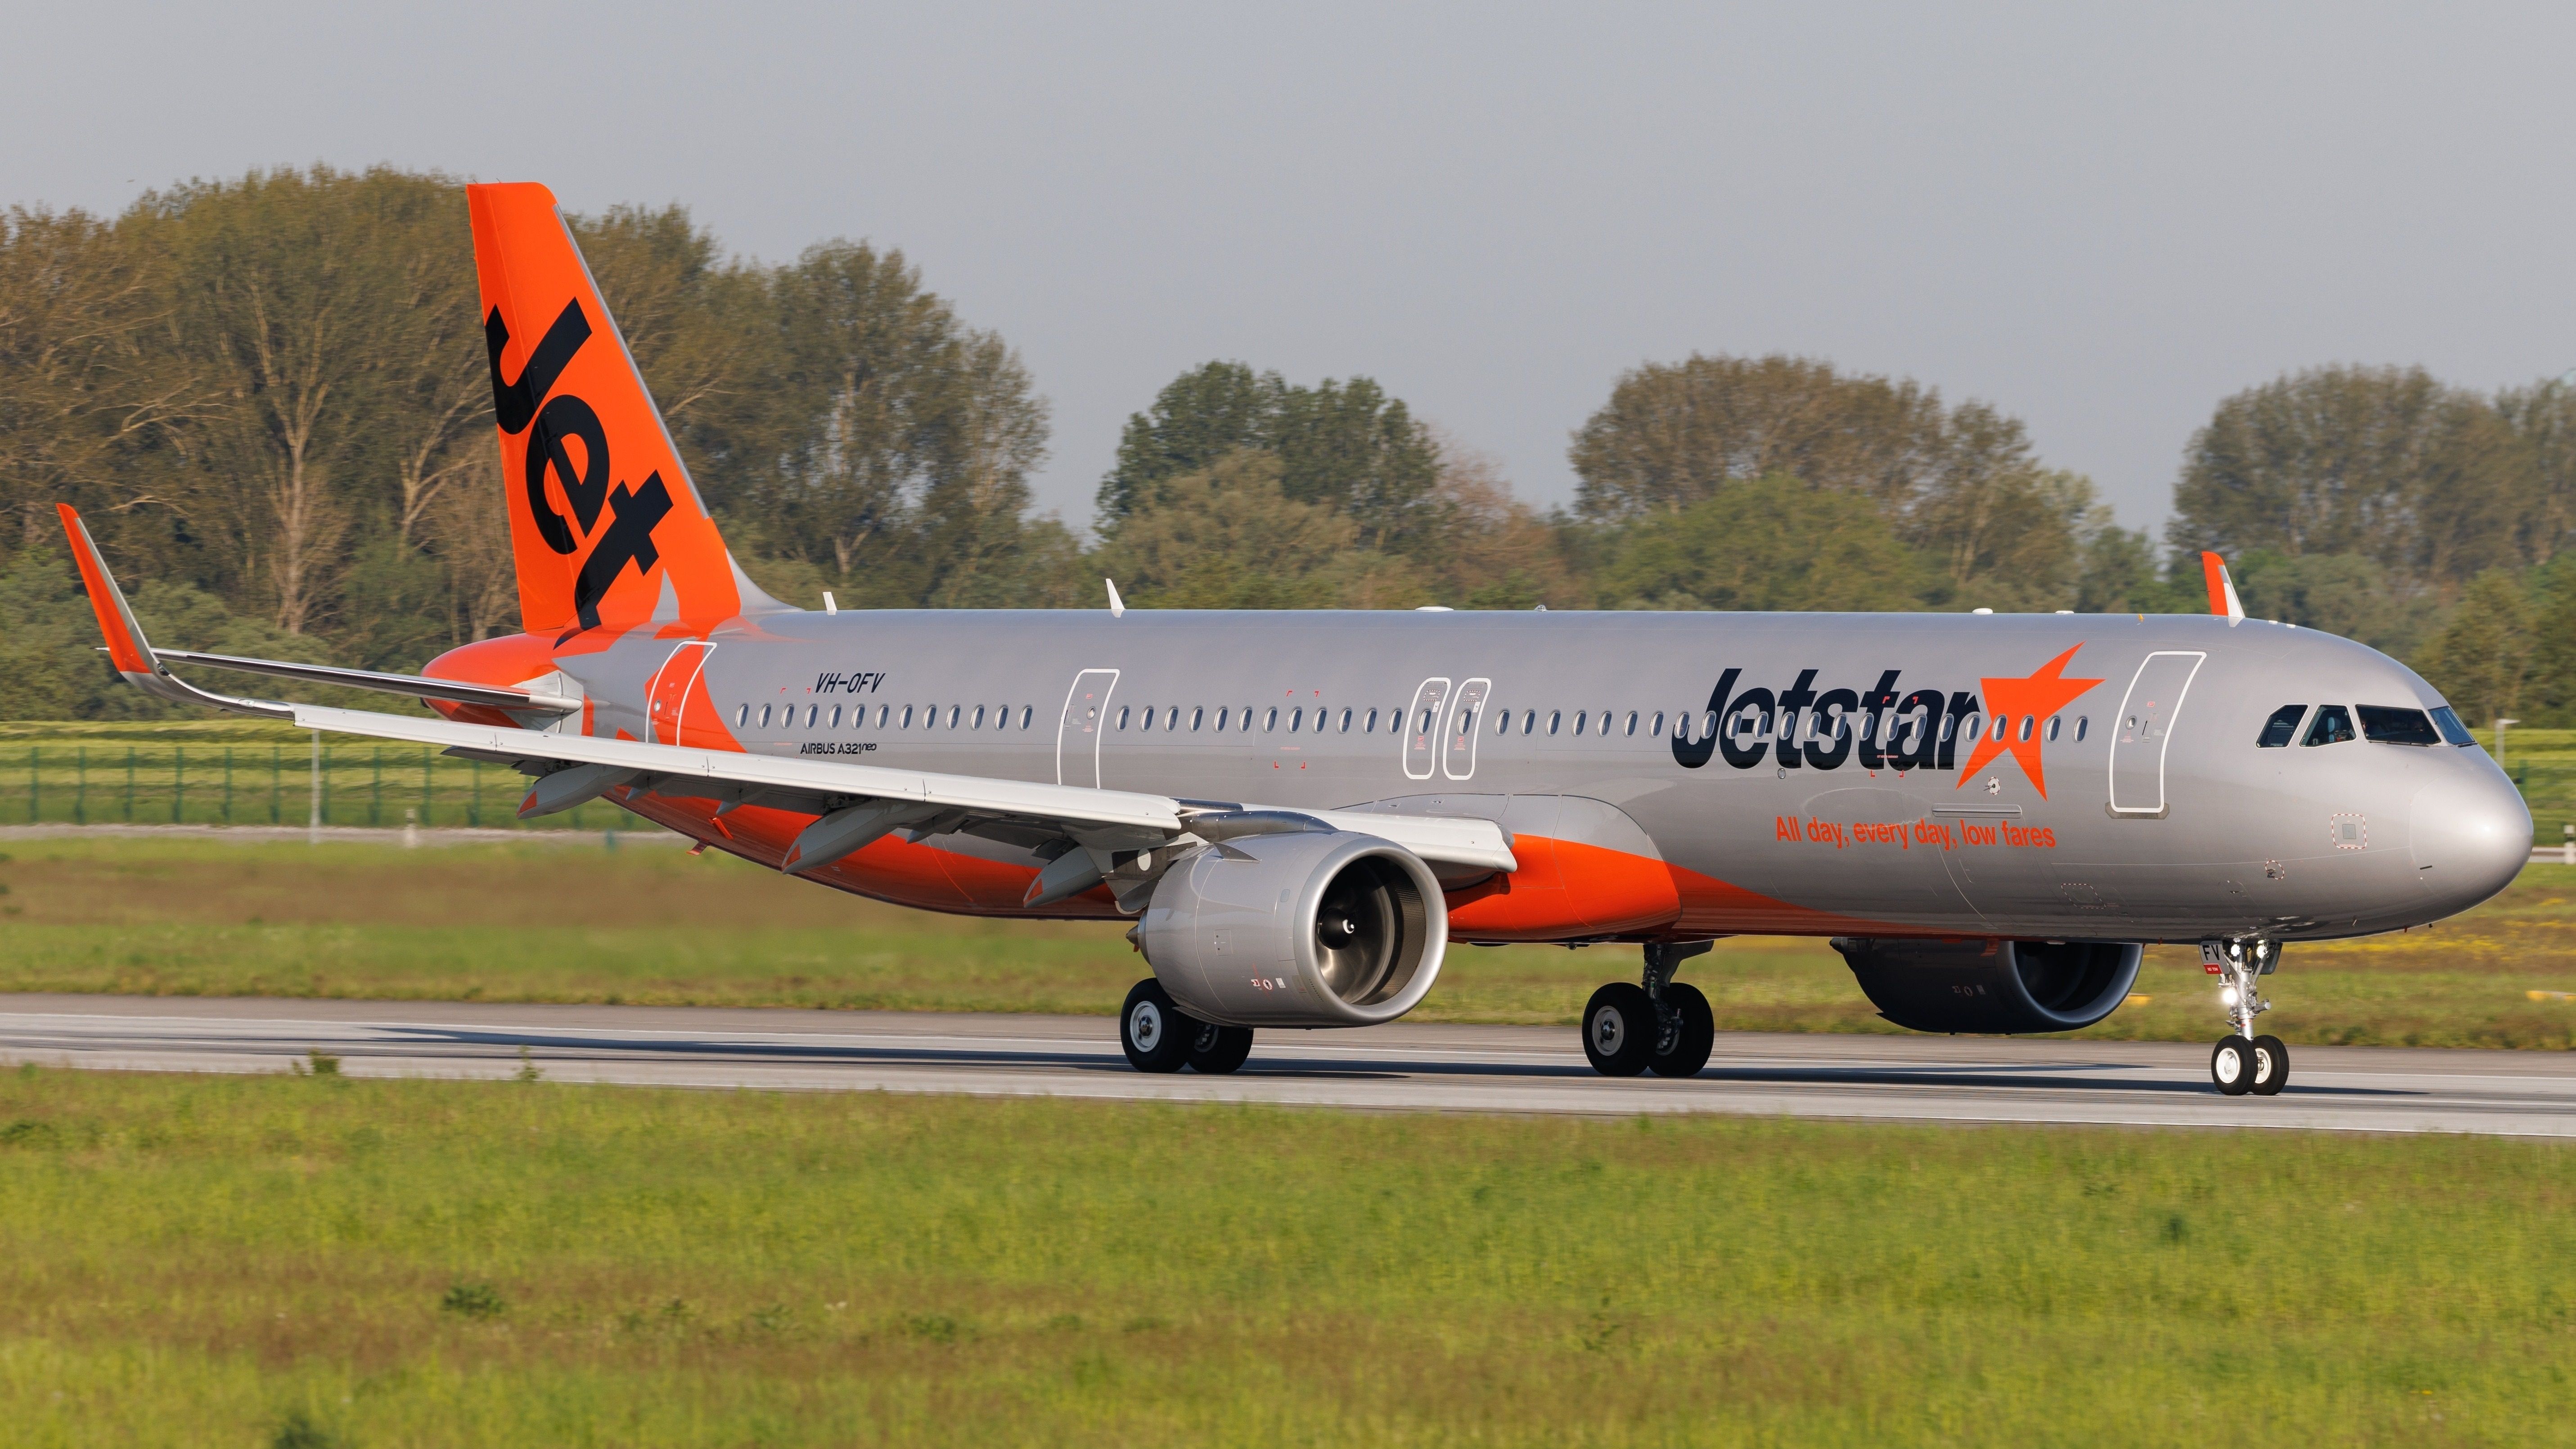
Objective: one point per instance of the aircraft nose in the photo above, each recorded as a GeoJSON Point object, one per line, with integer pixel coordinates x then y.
{"type": "Point", "coordinates": [2471, 834]}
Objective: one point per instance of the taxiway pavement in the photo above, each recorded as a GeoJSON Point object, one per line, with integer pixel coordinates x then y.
{"type": "Point", "coordinates": [1404, 1067]}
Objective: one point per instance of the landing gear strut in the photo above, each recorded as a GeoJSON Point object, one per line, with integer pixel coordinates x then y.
{"type": "Point", "coordinates": [1662, 1025]}
{"type": "Point", "coordinates": [2243, 1062]}
{"type": "Point", "coordinates": [1160, 1037]}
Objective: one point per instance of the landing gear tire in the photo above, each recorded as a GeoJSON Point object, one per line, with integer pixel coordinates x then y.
{"type": "Point", "coordinates": [1155, 1034]}
{"type": "Point", "coordinates": [1217, 1050]}
{"type": "Point", "coordinates": [1694, 1033]}
{"type": "Point", "coordinates": [2271, 1066]}
{"type": "Point", "coordinates": [1620, 1029]}
{"type": "Point", "coordinates": [2231, 1065]}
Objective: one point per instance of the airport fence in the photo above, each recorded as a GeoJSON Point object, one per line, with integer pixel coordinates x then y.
{"type": "Point", "coordinates": [329, 782]}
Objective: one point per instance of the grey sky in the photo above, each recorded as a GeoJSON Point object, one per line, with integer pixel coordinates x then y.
{"type": "Point", "coordinates": [2101, 219]}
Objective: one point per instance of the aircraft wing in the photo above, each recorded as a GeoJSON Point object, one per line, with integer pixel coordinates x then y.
{"type": "Point", "coordinates": [854, 804]}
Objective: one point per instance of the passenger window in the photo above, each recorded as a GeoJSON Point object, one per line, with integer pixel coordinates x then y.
{"type": "Point", "coordinates": [1659, 724]}
{"type": "Point", "coordinates": [2387, 725]}
{"type": "Point", "coordinates": [742, 716]}
{"type": "Point", "coordinates": [2028, 722]}
{"type": "Point", "coordinates": [2054, 721]}
{"type": "Point", "coordinates": [2282, 727]}
{"type": "Point", "coordinates": [764, 716]}
{"type": "Point", "coordinates": [1122, 716]}
{"type": "Point", "coordinates": [835, 722]}
{"type": "Point", "coordinates": [1346, 721]}
{"type": "Point", "coordinates": [1369, 725]}
{"type": "Point", "coordinates": [2333, 726]}
{"type": "Point", "coordinates": [907, 716]}
{"type": "Point", "coordinates": [1632, 721]}
{"type": "Point", "coordinates": [1555, 720]}
{"type": "Point", "coordinates": [1578, 721]}
{"type": "Point", "coordinates": [1529, 722]}
{"type": "Point", "coordinates": [1271, 722]}
{"type": "Point", "coordinates": [2447, 720]}
{"type": "Point", "coordinates": [1198, 717]}
{"type": "Point", "coordinates": [2083, 724]}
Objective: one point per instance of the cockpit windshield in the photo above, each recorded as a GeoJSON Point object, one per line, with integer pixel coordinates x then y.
{"type": "Point", "coordinates": [2333, 726]}
{"type": "Point", "coordinates": [2387, 725]}
{"type": "Point", "coordinates": [2447, 720]}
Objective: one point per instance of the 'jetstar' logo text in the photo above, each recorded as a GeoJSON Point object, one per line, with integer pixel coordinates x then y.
{"type": "Point", "coordinates": [564, 420]}
{"type": "Point", "coordinates": [1882, 727]}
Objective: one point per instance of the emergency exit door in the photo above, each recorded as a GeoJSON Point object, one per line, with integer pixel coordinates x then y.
{"type": "Point", "coordinates": [1077, 733]}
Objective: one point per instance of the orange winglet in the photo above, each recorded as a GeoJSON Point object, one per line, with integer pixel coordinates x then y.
{"type": "Point", "coordinates": [2213, 572]}
{"type": "Point", "coordinates": [125, 644]}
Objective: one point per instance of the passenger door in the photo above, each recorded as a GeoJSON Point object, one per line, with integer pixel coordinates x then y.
{"type": "Point", "coordinates": [1077, 733]}
{"type": "Point", "coordinates": [2143, 729]}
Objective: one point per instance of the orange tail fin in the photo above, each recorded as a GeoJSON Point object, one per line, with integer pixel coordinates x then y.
{"type": "Point", "coordinates": [606, 527]}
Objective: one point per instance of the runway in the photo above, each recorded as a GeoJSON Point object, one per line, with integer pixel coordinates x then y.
{"type": "Point", "coordinates": [1405, 1067]}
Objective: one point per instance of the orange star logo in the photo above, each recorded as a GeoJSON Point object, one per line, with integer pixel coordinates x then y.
{"type": "Point", "coordinates": [2021, 707]}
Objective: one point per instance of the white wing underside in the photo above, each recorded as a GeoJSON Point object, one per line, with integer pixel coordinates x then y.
{"type": "Point", "coordinates": [1148, 819]}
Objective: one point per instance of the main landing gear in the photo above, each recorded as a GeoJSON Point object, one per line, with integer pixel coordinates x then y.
{"type": "Point", "coordinates": [1160, 1037]}
{"type": "Point", "coordinates": [2243, 1062]}
{"type": "Point", "coordinates": [1661, 1026]}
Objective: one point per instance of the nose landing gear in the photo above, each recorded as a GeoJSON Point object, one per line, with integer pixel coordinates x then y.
{"type": "Point", "coordinates": [2243, 1062]}
{"type": "Point", "coordinates": [1662, 1026]}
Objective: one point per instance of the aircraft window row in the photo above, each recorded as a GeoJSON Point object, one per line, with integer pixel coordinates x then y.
{"type": "Point", "coordinates": [931, 716]}
{"type": "Point", "coordinates": [1749, 724]}
{"type": "Point", "coordinates": [2383, 724]}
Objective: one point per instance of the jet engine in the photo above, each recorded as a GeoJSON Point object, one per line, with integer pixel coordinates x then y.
{"type": "Point", "coordinates": [1308, 928]}
{"type": "Point", "coordinates": [1996, 986]}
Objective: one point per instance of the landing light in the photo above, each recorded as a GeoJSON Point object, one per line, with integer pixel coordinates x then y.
{"type": "Point", "coordinates": [2227, 996]}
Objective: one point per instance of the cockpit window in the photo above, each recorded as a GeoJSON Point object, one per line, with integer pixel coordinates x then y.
{"type": "Point", "coordinates": [2387, 725]}
{"type": "Point", "coordinates": [2447, 720]}
{"type": "Point", "coordinates": [2333, 726]}
{"type": "Point", "coordinates": [2282, 727]}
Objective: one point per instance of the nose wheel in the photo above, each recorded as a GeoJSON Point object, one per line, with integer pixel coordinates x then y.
{"type": "Point", "coordinates": [2243, 1063]}
{"type": "Point", "coordinates": [1661, 1026]}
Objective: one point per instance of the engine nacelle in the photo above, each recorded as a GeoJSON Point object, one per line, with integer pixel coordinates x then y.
{"type": "Point", "coordinates": [1313, 928]}
{"type": "Point", "coordinates": [1991, 985]}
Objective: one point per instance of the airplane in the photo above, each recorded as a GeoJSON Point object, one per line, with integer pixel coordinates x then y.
{"type": "Point", "coordinates": [1988, 815]}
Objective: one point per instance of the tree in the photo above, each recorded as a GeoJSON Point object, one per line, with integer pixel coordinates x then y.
{"type": "Point", "coordinates": [1962, 485]}
{"type": "Point", "coordinates": [1197, 420]}
{"type": "Point", "coordinates": [1769, 543]}
{"type": "Point", "coordinates": [84, 391]}
{"type": "Point", "coordinates": [1229, 537]}
{"type": "Point", "coordinates": [1674, 433]}
{"type": "Point", "coordinates": [2429, 481]}
{"type": "Point", "coordinates": [2481, 659]}
{"type": "Point", "coordinates": [1345, 445]}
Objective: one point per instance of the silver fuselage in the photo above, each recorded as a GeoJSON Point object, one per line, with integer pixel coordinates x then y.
{"type": "Point", "coordinates": [2161, 819]}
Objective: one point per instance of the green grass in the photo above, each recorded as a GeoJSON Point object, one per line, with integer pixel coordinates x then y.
{"type": "Point", "coordinates": [212, 1260]}
{"type": "Point", "coordinates": [539, 921]}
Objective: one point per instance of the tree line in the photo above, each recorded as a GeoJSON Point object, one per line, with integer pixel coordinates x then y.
{"type": "Point", "coordinates": [268, 395]}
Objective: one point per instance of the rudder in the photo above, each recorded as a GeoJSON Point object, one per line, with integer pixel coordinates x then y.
{"type": "Point", "coordinates": [606, 528]}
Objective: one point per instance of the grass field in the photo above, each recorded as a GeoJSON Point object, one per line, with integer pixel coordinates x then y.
{"type": "Point", "coordinates": [318, 1260]}
{"type": "Point", "coordinates": [541, 921]}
